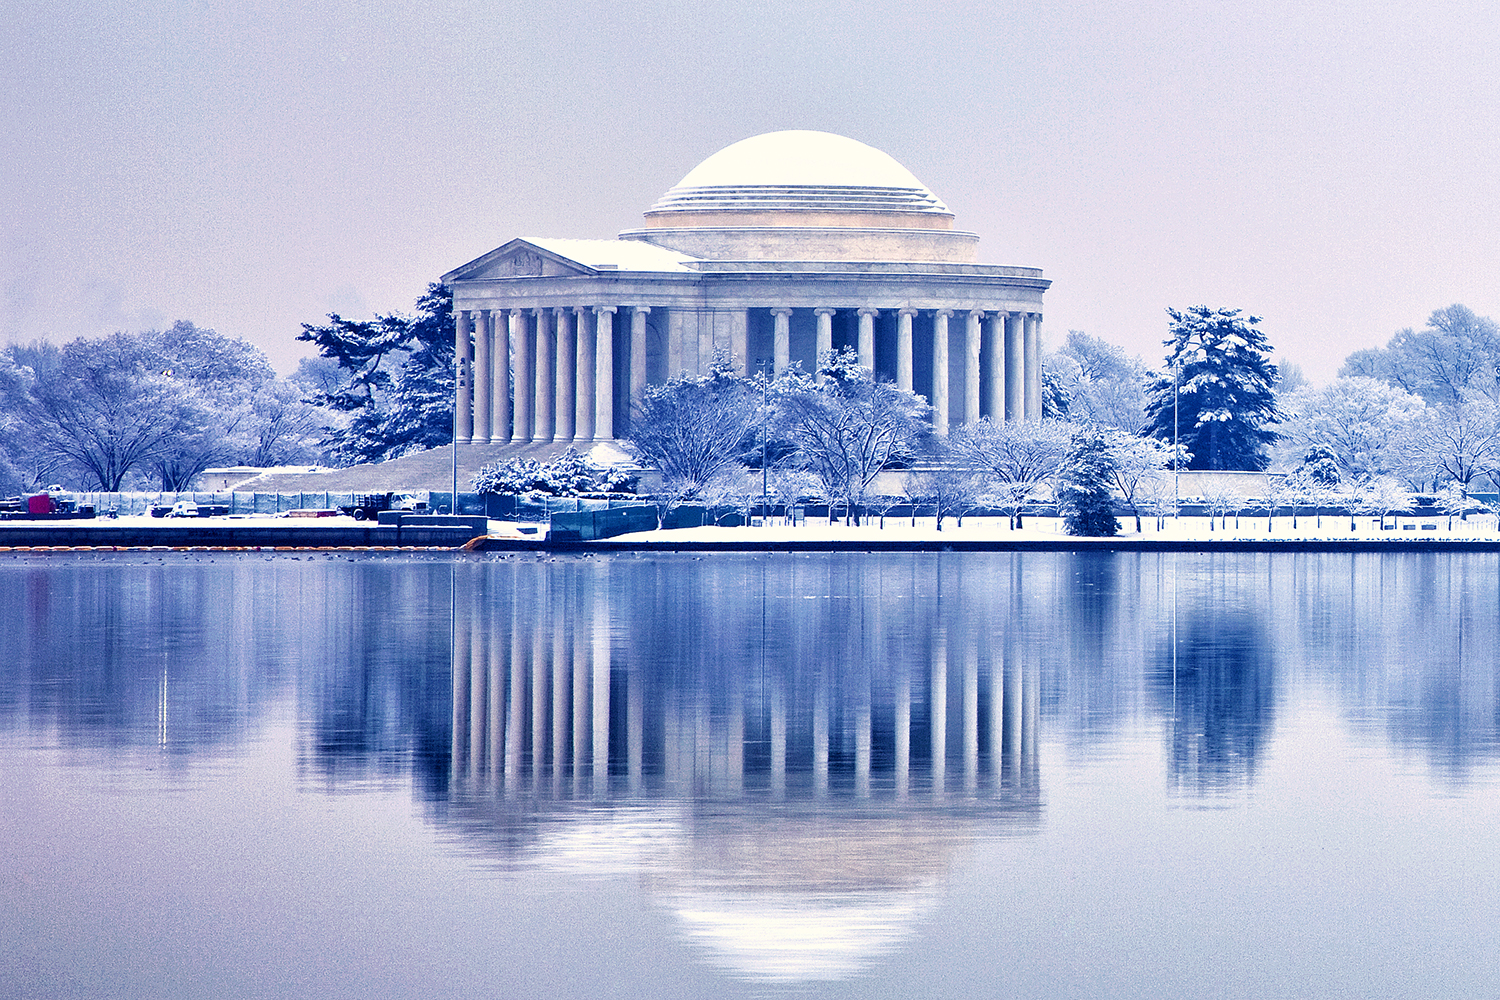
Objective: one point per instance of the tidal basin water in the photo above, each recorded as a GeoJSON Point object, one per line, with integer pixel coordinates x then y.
{"type": "Point", "coordinates": [840, 775]}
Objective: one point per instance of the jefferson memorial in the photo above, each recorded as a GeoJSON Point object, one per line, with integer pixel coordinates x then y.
{"type": "Point", "coordinates": [773, 250]}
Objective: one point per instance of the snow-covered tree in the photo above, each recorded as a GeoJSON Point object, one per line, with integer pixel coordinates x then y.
{"type": "Point", "coordinates": [1456, 353]}
{"type": "Point", "coordinates": [1019, 458]}
{"type": "Point", "coordinates": [951, 492]}
{"type": "Point", "coordinates": [1102, 384]}
{"type": "Point", "coordinates": [1457, 442]}
{"type": "Point", "coordinates": [1385, 496]}
{"type": "Point", "coordinates": [396, 379]}
{"type": "Point", "coordinates": [849, 426]}
{"type": "Point", "coordinates": [1084, 496]}
{"type": "Point", "coordinates": [1220, 377]}
{"type": "Point", "coordinates": [1136, 459]}
{"type": "Point", "coordinates": [568, 475]}
{"type": "Point", "coordinates": [1361, 422]}
{"type": "Point", "coordinates": [694, 428]}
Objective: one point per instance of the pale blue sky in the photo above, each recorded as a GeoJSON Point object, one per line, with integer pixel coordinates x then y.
{"type": "Point", "coordinates": [1334, 168]}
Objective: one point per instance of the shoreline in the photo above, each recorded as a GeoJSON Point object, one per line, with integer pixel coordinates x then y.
{"type": "Point", "coordinates": [1040, 534]}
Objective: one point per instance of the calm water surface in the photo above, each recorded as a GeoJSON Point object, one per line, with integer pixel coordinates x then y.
{"type": "Point", "coordinates": [939, 775]}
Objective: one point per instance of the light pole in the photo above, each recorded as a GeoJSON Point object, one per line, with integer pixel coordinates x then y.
{"type": "Point", "coordinates": [766, 366]}
{"type": "Point", "coordinates": [458, 375]}
{"type": "Point", "coordinates": [1176, 451]}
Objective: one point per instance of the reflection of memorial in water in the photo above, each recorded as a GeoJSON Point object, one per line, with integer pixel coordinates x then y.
{"type": "Point", "coordinates": [790, 771]}
{"type": "Point", "coordinates": [586, 677]}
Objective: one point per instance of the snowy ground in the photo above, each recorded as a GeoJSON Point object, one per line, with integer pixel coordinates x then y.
{"type": "Point", "coordinates": [1050, 529]}
{"type": "Point", "coordinates": [1196, 529]}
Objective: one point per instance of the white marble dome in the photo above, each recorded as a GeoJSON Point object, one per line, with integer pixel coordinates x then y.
{"type": "Point", "coordinates": [808, 196]}
{"type": "Point", "coordinates": [800, 171]}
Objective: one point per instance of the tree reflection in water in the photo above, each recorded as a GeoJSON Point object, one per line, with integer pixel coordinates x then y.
{"type": "Point", "coordinates": [788, 750]}
{"type": "Point", "coordinates": [1215, 683]}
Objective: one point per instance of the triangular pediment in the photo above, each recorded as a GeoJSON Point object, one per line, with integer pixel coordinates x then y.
{"type": "Point", "coordinates": [519, 259]}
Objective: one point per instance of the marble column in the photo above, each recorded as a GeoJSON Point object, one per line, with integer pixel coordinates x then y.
{"type": "Point", "coordinates": [971, 365]}
{"type": "Point", "coordinates": [940, 372]}
{"type": "Point", "coordinates": [463, 401]}
{"type": "Point", "coordinates": [867, 337]}
{"type": "Point", "coordinates": [638, 316]}
{"type": "Point", "coordinates": [583, 399]}
{"type": "Point", "coordinates": [1033, 349]}
{"type": "Point", "coordinates": [739, 341]}
{"type": "Point", "coordinates": [498, 376]}
{"type": "Point", "coordinates": [485, 385]}
{"type": "Point", "coordinates": [903, 348]}
{"type": "Point", "coordinates": [563, 320]}
{"type": "Point", "coordinates": [825, 337]}
{"type": "Point", "coordinates": [544, 345]}
{"type": "Point", "coordinates": [782, 349]}
{"type": "Point", "coordinates": [995, 389]}
{"type": "Point", "coordinates": [520, 329]}
{"type": "Point", "coordinates": [1013, 384]}
{"type": "Point", "coordinates": [604, 365]}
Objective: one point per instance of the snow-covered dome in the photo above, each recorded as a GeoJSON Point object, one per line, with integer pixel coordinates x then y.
{"type": "Point", "coordinates": [807, 196]}
{"type": "Point", "coordinates": [800, 171]}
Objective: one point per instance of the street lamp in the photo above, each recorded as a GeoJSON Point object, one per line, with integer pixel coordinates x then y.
{"type": "Point", "coordinates": [1176, 450]}
{"type": "Point", "coordinates": [458, 374]}
{"type": "Point", "coordinates": [767, 367]}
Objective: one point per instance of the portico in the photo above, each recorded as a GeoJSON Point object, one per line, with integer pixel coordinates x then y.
{"type": "Point", "coordinates": [557, 338]}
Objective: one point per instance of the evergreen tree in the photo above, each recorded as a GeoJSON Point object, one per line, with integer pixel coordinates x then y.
{"type": "Point", "coordinates": [396, 383]}
{"type": "Point", "coordinates": [1220, 367]}
{"type": "Point", "coordinates": [1083, 494]}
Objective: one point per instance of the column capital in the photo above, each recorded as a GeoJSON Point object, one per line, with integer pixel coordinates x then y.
{"type": "Point", "coordinates": [824, 311]}
{"type": "Point", "coordinates": [868, 311]}
{"type": "Point", "coordinates": [640, 310]}
{"type": "Point", "coordinates": [580, 310]}
{"type": "Point", "coordinates": [602, 310]}
{"type": "Point", "coordinates": [943, 313]}
{"type": "Point", "coordinates": [907, 311]}
{"type": "Point", "coordinates": [557, 311]}
{"type": "Point", "coordinates": [781, 311]}
{"type": "Point", "coordinates": [978, 313]}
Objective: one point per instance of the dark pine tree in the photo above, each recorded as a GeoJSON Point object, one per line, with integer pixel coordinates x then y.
{"type": "Point", "coordinates": [396, 379]}
{"type": "Point", "coordinates": [1084, 497]}
{"type": "Point", "coordinates": [1220, 366]}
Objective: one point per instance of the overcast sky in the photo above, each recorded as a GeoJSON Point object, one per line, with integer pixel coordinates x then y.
{"type": "Point", "coordinates": [1332, 167]}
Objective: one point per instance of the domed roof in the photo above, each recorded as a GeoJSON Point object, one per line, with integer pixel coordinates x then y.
{"type": "Point", "coordinates": [800, 171]}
